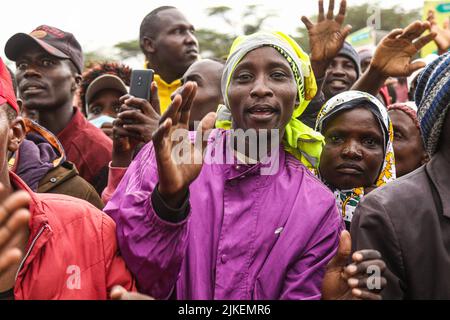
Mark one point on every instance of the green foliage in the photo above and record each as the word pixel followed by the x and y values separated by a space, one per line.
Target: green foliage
pixel 128 49
pixel 93 57
pixel 390 18
pixel 216 43
pixel 213 43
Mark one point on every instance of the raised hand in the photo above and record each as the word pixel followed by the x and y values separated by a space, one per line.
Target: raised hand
pixel 393 55
pixel 327 36
pixel 342 282
pixel 135 124
pixel 14 217
pixel 442 39
pixel 180 161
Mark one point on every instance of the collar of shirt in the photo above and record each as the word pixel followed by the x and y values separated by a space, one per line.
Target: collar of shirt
pixel 165 90
pixel 75 124
pixel 243 166
pixel 438 170
pixel 169 86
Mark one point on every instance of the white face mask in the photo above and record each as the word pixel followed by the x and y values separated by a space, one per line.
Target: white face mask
pixel 98 122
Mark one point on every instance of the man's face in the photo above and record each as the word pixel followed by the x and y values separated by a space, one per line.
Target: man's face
pixel 408 146
pixel 175 46
pixel 353 152
pixel 365 64
pixel 262 92
pixel 44 81
pixel 4 136
pixel 340 76
pixel 207 74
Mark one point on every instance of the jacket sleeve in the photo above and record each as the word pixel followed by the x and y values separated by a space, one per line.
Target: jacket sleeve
pixel 115 269
pixel 304 278
pixel 372 228
pixel 152 247
pixel 93 198
pixel 115 174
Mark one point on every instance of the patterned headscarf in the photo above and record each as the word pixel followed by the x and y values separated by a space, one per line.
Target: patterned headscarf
pixel 299 139
pixel 347 200
pixel 409 108
pixel 433 99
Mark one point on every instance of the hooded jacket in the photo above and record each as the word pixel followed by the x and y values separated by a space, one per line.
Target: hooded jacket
pixel 41 163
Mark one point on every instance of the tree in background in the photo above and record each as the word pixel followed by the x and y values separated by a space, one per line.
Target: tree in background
pixel 92 57
pixel 217 42
pixel 128 49
pixel 213 43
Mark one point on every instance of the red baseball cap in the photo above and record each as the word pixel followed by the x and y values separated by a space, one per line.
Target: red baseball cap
pixel 7 94
pixel 54 41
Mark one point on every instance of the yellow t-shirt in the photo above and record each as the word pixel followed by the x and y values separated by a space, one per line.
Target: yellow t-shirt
pixel 165 90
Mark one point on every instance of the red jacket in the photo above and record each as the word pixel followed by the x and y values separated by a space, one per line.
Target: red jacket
pixel 71 252
pixel 384 92
pixel 89 148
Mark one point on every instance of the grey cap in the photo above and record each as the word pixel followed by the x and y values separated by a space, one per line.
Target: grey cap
pixel 106 81
pixel 350 52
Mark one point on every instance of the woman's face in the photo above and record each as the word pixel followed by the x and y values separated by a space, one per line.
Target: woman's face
pixel 353 154
pixel 408 146
pixel 262 93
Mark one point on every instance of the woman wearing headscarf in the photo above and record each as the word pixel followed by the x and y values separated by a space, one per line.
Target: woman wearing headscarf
pixel 208 229
pixel 300 140
pixel 358 155
pixel 409 149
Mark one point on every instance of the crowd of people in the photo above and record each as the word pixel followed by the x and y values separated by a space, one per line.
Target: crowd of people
pixel 272 174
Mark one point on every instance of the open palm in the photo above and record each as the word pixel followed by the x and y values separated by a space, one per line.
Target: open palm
pixel 327 36
pixel 394 53
pixel 179 160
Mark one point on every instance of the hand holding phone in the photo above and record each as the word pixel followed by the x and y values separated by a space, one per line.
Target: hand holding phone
pixel 141 81
pixel 140 84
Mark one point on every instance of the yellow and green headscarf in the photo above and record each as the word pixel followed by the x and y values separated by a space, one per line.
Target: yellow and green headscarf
pixel 299 139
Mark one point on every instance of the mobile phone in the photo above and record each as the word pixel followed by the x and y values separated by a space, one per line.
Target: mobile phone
pixel 140 84
pixel 141 81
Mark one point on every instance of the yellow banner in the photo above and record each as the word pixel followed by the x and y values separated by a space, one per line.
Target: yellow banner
pixel 441 12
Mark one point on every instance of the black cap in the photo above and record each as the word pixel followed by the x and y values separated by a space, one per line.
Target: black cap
pixel 56 42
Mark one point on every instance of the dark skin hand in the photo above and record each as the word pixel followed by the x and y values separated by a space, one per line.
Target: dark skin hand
pixel 393 57
pixel 442 39
pixel 175 177
pixel 107 129
pixel 341 281
pixel 326 37
pixel 14 218
pixel 350 282
pixel 136 122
